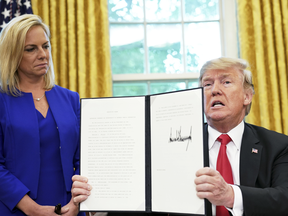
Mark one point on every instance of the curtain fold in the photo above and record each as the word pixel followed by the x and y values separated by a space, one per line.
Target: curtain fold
pixel 263 35
pixel 80 44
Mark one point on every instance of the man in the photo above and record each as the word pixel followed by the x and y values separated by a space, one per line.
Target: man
pixel 258 157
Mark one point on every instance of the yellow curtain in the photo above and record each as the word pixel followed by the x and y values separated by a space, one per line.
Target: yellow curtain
pixel 80 44
pixel 263 34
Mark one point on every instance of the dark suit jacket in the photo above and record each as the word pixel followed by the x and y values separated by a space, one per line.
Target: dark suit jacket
pixel 264 175
pixel 263 172
pixel 20 142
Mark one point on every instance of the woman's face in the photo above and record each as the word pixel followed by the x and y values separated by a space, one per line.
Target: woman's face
pixel 35 61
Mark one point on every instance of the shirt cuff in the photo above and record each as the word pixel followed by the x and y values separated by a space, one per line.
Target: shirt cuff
pixel 238 202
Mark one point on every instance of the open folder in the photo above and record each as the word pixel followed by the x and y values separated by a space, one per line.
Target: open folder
pixel 141 153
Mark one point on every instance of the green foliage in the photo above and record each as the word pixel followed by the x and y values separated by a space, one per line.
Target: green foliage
pixel 128 58
pixel 160 87
pixel 164 58
pixel 129 89
pixel 192 61
pixel 158 55
pixel 201 9
pixel 125 10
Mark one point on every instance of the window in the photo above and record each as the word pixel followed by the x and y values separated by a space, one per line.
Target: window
pixel 160 45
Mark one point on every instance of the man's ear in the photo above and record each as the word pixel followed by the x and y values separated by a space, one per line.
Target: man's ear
pixel 248 95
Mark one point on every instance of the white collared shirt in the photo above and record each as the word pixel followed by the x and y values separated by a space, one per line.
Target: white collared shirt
pixel 233 154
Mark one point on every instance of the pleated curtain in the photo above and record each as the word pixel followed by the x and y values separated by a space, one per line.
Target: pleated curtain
pixel 80 44
pixel 263 37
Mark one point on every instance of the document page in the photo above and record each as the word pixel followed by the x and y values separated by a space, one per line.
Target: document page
pixel 113 153
pixel 176 151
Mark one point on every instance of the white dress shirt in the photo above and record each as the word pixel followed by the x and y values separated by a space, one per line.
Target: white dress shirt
pixel 233 154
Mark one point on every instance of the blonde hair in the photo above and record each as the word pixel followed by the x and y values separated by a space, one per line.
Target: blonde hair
pixel 12 43
pixel 224 63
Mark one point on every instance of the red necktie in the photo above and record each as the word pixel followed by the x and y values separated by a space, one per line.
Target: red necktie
pixel 224 167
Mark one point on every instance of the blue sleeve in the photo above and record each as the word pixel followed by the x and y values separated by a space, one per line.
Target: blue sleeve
pixel 76 160
pixel 12 189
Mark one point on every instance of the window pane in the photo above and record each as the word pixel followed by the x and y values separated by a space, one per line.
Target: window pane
pixel 164 45
pixel 198 10
pixel 125 10
pixel 129 88
pixel 127 48
pixel 163 10
pixel 160 87
pixel 202 41
pixel 193 84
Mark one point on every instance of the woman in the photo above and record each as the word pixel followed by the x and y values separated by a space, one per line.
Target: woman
pixel 39 135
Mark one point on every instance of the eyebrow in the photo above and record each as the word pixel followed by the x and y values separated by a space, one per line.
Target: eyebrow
pixel 222 76
pixel 35 44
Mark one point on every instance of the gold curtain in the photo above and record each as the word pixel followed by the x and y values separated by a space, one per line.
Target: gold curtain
pixel 80 44
pixel 263 34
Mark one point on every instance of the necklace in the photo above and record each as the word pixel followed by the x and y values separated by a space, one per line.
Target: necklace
pixel 38 99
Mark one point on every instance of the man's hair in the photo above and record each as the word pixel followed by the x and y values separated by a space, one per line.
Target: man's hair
pixel 12 43
pixel 224 63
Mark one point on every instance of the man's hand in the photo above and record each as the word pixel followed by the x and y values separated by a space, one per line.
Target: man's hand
pixel 211 185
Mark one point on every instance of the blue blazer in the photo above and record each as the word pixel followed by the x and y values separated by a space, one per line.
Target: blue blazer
pixel 20 142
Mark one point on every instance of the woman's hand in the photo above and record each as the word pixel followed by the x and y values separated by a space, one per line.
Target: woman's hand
pixel 70 209
pixel 80 192
pixel 80 189
pixel 30 207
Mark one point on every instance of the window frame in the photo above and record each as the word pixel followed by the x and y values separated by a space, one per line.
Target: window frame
pixel 229 46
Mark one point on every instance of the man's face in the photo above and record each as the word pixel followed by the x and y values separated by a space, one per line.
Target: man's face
pixel 225 99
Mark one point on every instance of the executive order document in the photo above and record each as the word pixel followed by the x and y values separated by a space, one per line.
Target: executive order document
pixel 141 153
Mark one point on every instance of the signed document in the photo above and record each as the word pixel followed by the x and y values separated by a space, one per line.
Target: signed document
pixel 141 153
